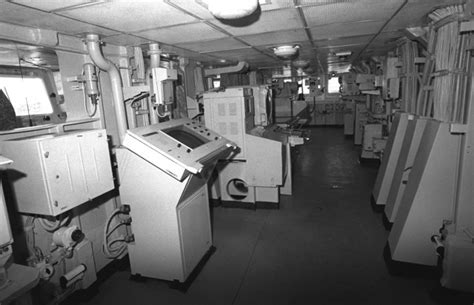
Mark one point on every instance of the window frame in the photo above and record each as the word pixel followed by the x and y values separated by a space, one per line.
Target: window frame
pixel 47 77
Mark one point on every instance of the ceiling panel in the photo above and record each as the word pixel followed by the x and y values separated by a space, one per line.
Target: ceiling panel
pixel 267 60
pixel 413 14
pixel 341 42
pixel 240 54
pixel 52 5
pixel 266 5
pixel 346 29
pixel 213 45
pixel 377 51
pixel 183 33
pixel 269 21
pixel 130 16
pixel 12 13
pixel 193 7
pixel 335 25
pixel 173 50
pixel 125 40
pixel 307 53
pixel 321 2
pixel 387 38
pixel 275 38
pixel 350 12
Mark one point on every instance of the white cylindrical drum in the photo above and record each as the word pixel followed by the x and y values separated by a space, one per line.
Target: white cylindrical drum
pixel 72 276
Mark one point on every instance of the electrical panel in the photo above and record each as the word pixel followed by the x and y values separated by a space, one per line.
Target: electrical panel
pixel 57 172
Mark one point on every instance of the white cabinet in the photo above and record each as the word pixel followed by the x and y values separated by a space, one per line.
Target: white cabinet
pixel 56 172
pixel 230 113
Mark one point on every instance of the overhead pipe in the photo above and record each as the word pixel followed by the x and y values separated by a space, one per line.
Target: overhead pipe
pixel 242 65
pixel 155 53
pixel 95 53
pixel 151 107
pixel 153 118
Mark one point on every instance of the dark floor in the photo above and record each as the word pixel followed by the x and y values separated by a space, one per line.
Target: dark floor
pixel 323 246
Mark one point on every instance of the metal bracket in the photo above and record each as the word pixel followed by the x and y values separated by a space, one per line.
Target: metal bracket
pixel 458 128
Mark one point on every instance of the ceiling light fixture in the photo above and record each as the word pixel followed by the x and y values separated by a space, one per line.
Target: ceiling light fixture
pixel 286 52
pixel 343 53
pixel 230 9
pixel 300 63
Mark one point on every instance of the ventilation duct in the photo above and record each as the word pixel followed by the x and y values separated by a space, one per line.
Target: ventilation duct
pixel 240 67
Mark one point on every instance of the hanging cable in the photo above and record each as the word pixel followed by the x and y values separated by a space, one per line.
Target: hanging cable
pixel 137 97
pixel 108 249
pixel 30 237
pixel 53 225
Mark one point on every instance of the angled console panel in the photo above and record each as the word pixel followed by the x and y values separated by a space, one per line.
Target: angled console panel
pixel 404 166
pixel 390 158
pixel 178 147
pixel 428 198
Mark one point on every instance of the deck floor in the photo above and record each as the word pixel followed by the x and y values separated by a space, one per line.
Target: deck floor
pixel 323 246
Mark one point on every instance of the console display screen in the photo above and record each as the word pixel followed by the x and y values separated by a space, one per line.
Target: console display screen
pixel 185 136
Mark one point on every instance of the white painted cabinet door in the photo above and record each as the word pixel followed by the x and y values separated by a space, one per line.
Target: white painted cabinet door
pixel 64 173
pixel 97 165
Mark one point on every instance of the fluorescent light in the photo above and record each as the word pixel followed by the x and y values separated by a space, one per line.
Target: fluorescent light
pixel 343 53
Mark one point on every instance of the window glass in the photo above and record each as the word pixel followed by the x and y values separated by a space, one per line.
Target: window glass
pixel 216 83
pixel 304 83
pixel 28 95
pixel 333 85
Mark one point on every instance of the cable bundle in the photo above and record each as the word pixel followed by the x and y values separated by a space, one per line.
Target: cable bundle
pixel 442 13
pixel 407 51
pixel 451 65
pixel 116 247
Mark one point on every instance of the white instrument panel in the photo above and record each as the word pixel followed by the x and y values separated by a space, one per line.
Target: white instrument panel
pixel 178 147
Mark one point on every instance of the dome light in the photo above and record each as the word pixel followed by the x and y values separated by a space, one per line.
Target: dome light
pixel 231 9
pixel 286 52
pixel 300 63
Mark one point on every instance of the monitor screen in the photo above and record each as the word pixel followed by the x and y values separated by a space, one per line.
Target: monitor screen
pixel 186 136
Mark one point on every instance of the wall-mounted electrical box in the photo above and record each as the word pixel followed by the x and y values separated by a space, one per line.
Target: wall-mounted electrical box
pixel 54 173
